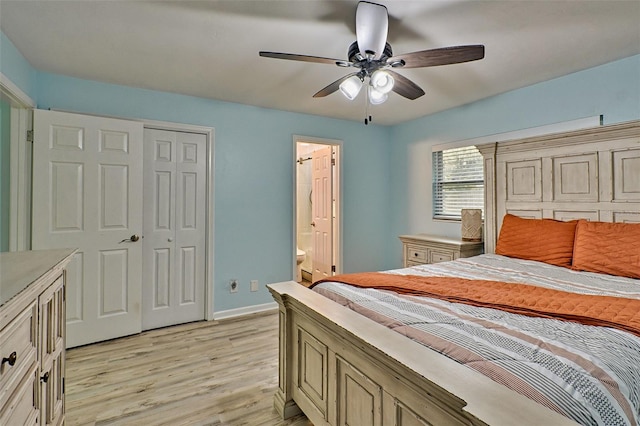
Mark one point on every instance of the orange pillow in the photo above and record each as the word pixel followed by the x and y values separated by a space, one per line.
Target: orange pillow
pixel 543 240
pixel 609 248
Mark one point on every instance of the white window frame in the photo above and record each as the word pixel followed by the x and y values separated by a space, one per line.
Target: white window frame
pixel 474 182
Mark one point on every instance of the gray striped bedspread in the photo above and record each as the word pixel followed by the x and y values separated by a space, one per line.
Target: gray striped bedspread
pixel 590 374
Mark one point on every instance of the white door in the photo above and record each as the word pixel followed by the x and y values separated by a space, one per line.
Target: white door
pixel 174 228
pixel 87 194
pixel 322 212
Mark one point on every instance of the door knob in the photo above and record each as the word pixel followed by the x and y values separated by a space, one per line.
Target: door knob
pixel 131 239
pixel 169 239
pixel 313 224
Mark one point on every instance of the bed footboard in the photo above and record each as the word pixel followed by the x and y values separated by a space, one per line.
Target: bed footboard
pixel 341 368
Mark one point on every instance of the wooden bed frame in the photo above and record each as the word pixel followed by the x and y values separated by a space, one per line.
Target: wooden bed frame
pixel 341 368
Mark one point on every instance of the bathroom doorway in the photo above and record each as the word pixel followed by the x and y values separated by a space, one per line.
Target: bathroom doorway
pixel 317 209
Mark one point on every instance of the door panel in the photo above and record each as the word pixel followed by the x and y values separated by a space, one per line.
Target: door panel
pixel 67 211
pixel 114 196
pixel 174 227
pixel 322 212
pixel 113 282
pixel 87 194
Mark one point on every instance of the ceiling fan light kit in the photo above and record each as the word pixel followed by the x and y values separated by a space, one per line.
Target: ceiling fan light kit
pixel 381 81
pixel 351 87
pixel 376 97
pixel 373 56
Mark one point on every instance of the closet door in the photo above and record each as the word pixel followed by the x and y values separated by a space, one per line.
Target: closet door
pixel 174 228
pixel 87 194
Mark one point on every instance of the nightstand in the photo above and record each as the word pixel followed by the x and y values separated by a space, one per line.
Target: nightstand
pixel 422 249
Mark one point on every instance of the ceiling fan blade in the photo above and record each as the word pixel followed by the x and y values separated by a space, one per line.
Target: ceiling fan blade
pixel 332 87
pixel 405 87
pixel 305 58
pixel 441 56
pixel 372 26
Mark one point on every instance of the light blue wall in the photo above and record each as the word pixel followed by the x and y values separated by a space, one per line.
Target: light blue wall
pixel 387 170
pixel 254 160
pixel 16 68
pixel 5 142
pixel 612 89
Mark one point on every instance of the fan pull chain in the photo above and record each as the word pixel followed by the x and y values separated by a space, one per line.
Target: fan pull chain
pixel 366 109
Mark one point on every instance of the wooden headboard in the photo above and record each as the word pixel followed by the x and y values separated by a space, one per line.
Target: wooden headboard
pixel 592 174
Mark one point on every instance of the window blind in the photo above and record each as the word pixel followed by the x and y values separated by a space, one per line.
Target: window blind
pixel 458 181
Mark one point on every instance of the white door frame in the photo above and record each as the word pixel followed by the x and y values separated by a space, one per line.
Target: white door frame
pixel 20 164
pixel 338 220
pixel 209 245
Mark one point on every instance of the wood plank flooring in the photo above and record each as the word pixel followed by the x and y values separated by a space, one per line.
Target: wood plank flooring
pixel 205 373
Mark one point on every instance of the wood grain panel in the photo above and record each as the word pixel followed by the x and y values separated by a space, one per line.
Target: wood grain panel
pixel 527 214
pixel 626 175
pixel 359 399
pixel 627 217
pixel 589 174
pixel 312 369
pixel 575 177
pixel 524 180
pixel 567 215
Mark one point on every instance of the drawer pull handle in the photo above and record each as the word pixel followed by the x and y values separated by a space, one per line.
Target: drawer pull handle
pixel 11 360
pixel 415 254
pixel 45 378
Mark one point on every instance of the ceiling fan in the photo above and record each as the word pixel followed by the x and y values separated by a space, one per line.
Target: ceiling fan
pixel 373 58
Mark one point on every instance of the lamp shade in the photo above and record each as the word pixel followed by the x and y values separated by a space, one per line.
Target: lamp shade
pixel 382 81
pixel 376 97
pixel 471 224
pixel 351 87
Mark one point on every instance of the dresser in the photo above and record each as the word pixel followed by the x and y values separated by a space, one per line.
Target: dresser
pixel 421 249
pixel 32 332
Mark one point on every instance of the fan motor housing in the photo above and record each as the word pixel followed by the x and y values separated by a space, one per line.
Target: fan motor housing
pixel 355 56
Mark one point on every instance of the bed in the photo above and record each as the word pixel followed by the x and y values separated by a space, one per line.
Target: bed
pixel 359 355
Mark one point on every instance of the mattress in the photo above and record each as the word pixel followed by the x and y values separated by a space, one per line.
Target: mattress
pixel 588 373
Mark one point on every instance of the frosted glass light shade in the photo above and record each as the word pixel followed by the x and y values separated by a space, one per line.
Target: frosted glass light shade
pixel 351 87
pixel 382 81
pixel 376 97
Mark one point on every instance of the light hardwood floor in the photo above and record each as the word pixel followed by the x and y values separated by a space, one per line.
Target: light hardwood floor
pixel 205 373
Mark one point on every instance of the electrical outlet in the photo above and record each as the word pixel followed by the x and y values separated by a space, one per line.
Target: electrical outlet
pixel 233 285
pixel 254 285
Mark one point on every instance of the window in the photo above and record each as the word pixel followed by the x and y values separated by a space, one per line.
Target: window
pixel 458 182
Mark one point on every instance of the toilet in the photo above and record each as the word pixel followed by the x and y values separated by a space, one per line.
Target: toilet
pixel 300 255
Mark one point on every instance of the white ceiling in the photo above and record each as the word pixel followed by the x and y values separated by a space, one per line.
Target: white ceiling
pixel 210 48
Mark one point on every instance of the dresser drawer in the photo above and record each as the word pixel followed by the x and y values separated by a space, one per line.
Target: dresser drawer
pixel 18 339
pixel 22 407
pixel 416 254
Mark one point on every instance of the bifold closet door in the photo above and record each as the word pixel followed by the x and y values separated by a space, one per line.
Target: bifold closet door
pixel 174 228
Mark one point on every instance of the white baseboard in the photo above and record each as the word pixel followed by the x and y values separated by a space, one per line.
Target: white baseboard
pixel 237 312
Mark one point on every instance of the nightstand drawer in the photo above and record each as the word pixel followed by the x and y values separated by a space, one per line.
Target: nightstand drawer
pixel 440 256
pixel 424 249
pixel 417 254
